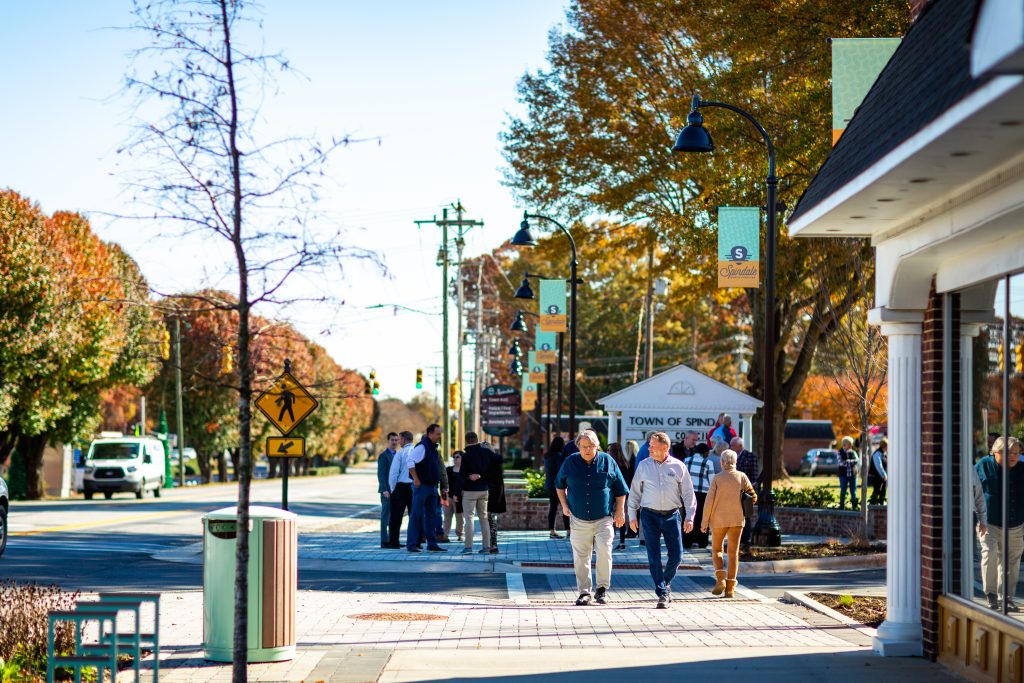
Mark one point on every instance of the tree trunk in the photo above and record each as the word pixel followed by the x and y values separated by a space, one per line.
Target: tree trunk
pixel 222 466
pixel 30 450
pixel 205 471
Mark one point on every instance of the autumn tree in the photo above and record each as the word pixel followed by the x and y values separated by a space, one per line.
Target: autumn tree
pixel 599 123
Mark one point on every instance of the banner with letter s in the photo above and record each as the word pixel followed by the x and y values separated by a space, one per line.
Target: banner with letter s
pixel 739 246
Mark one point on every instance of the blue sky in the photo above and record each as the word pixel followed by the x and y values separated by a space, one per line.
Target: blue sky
pixel 434 80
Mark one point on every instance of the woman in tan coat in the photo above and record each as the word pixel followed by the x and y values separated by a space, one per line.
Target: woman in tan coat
pixel 723 512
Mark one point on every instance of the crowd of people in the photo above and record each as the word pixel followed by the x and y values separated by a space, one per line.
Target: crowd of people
pixel 414 480
pixel 991 516
pixel 680 495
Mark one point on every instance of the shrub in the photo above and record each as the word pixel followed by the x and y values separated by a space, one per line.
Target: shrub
pixel 815 497
pixel 535 483
pixel 23 609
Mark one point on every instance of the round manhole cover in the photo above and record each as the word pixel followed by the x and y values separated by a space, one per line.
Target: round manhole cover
pixel 398 616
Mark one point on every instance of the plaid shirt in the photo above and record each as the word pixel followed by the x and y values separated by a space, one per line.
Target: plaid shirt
pixel 702 471
pixel 747 463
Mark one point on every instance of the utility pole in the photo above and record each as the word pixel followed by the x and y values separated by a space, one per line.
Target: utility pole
pixel 479 340
pixel 648 309
pixel 461 227
pixel 180 412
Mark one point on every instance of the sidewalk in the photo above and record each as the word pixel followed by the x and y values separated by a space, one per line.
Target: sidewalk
pixel 536 633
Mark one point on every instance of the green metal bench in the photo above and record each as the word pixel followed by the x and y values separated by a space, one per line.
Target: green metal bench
pixel 133 602
pixel 101 655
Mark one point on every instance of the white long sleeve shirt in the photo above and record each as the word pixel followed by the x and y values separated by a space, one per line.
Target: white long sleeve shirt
pixel 662 486
pixel 400 467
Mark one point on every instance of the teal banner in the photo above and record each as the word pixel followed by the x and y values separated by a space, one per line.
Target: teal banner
pixel 739 246
pixel 537 369
pixel 856 63
pixel 546 344
pixel 552 306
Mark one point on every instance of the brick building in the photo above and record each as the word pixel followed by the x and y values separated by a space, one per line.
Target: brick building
pixel 931 169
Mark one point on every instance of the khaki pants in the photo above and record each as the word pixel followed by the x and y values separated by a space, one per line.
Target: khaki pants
pixel 449 513
pixel 718 535
pixel 587 536
pixel 992 559
pixel 475 500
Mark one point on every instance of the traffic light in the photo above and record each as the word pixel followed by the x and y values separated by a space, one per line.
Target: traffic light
pixel 368 389
pixel 1001 366
pixel 419 378
pixel 376 387
pixel 1018 358
pixel 454 399
pixel 227 360
pixel 165 344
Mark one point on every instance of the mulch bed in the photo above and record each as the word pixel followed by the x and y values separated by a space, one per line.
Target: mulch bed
pixel 808 551
pixel 869 611
pixel 397 616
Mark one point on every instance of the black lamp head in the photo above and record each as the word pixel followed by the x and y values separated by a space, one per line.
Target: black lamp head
pixel 694 137
pixel 524 291
pixel 519 324
pixel 514 350
pixel 524 236
pixel 516 367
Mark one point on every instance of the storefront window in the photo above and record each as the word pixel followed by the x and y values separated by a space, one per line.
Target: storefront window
pixel 992 430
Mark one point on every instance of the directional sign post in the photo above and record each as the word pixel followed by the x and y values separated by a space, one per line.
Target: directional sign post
pixel 286 405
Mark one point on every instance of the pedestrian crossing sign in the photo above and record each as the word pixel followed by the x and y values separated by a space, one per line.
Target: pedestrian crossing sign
pixel 287 403
pixel 286 447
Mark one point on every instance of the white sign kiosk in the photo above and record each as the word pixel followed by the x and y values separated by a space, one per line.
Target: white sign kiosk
pixel 675 401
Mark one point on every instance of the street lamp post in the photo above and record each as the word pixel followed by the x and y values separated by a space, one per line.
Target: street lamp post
pixel 695 138
pixel 524 237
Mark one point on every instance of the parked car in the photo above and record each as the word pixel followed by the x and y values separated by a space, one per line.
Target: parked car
pixel 4 503
pixel 820 461
pixel 128 463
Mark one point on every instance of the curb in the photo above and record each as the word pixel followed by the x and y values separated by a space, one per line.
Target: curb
pixel 801 598
pixel 813 564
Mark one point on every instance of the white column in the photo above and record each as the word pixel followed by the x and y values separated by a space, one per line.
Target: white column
pixel 613 426
pixel 900 634
pixel 966 454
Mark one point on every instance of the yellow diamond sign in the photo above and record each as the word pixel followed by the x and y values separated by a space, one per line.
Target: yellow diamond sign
pixel 287 403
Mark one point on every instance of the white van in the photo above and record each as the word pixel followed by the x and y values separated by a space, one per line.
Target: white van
pixel 124 463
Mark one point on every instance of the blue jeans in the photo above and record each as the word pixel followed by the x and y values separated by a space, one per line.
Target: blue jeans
pixel 385 518
pixel 844 483
pixel 656 525
pixel 423 518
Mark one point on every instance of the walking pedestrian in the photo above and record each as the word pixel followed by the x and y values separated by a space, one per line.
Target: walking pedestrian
pixel 454 507
pixel 384 461
pixel 993 554
pixel 401 489
pixel 475 462
pixel 749 464
pixel 848 460
pixel 723 513
pixel 715 456
pixel 552 463
pixel 878 475
pixel 615 451
pixel 495 493
pixel 702 472
pixel 593 495
pixel 724 432
pixel 661 486
pixel 424 470
pixel 439 531
pixel 690 440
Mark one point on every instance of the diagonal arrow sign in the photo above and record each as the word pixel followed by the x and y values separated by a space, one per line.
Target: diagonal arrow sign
pixel 285 447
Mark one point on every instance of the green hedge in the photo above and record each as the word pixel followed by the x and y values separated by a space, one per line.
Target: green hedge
pixel 815 497
pixel 534 483
pixel 328 471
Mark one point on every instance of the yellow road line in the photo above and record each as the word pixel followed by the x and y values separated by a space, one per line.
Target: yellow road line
pixel 101 522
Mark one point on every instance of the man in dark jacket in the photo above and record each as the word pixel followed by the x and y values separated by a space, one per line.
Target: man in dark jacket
pixel 425 470
pixel 383 470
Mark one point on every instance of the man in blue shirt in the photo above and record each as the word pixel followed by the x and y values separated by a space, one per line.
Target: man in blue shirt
pixel 592 491
pixel 425 472
pixel 383 472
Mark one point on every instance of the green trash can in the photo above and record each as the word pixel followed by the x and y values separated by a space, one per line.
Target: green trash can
pixel 273 578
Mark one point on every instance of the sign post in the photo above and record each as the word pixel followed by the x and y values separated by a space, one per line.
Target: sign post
pixel 286 404
pixel 500 410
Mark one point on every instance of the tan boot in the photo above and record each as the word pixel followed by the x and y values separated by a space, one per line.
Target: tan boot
pixel 730 588
pixel 720 584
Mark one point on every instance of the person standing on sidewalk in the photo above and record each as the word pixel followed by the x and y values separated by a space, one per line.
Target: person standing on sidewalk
pixel 454 507
pixel 615 450
pixel 495 493
pixel 661 486
pixel 702 472
pixel 384 461
pixel 723 512
pixel 401 489
pixel 749 464
pixel 848 460
pixel 424 470
pixel 877 472
pixel 593 495
pixel 552 463
pixel 993 554
pixel 475 462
